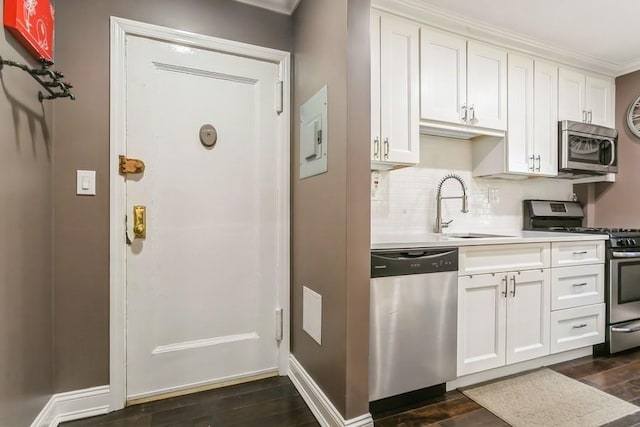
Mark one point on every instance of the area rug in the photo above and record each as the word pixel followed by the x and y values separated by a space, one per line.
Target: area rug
pixel 547 398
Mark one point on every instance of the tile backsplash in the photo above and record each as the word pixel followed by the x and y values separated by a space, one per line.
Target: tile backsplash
pixel 403 201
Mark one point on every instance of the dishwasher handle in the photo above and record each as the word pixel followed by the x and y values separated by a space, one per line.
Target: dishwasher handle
pixel 414 255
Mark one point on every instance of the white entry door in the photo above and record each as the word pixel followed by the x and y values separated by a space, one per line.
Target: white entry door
pixel 201 287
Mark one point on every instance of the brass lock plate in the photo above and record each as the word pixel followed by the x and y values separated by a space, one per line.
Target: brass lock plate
pixel 128 166
pixel 139 222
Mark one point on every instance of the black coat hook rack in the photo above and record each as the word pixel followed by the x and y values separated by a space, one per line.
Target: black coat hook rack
pixel 49 79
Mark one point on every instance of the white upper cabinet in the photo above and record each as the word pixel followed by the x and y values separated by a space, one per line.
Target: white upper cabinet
pixel 395 92
pixel 532 144
pixel 530 147
pixel 586 98
pixel 443 79
pixel 462 82
pixel 545 117
pixel 486 86
pixel 520 136
pixel 600 93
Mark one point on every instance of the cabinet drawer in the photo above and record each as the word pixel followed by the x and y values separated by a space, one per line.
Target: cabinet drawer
pixel 577 253
pixel 577 286
pixel 577 327
pixel 497 258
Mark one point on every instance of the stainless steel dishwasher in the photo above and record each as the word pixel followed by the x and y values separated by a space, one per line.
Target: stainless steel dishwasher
pixel 413 320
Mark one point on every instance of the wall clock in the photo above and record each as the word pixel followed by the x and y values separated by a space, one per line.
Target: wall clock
pixel 633 117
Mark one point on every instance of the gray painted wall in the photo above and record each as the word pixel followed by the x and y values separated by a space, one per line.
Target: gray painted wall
pixel 26 369
pixel 330 212
pixel 81 132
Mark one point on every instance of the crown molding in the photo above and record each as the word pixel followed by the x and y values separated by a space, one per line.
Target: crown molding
pixel 421 12
pixel 629 68
pixel 286 7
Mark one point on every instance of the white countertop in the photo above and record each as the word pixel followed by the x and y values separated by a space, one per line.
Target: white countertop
pixel 520 236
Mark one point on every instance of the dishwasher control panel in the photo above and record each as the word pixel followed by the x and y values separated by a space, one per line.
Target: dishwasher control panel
pixel 402 262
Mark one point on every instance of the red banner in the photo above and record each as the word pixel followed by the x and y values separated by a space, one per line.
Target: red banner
pixel 31 22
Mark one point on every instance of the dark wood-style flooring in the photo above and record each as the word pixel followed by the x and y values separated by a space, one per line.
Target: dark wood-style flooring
pixel 275 402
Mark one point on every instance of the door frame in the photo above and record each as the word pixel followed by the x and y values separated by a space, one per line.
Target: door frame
pixel 120 29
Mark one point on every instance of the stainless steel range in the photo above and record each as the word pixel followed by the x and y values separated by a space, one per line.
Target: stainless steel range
pixel 622 267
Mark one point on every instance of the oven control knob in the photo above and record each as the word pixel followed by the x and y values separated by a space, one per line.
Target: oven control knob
pixel 632 242
pixel 622 242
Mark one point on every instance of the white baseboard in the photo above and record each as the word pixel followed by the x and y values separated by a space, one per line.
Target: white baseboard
pixel 73 405
pixel 320 405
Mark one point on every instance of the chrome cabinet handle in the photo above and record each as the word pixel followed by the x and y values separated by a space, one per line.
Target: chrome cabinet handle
pixel 580 284
pixel 473 114
pixel 581 325
pixel 590 115
pixel 580 253
pixel 584 116
pixel 504 282
pixel 376 148
pixel 538 159
pixel 513 291
pixel 464 113
pixel 386 148
pixel 533 163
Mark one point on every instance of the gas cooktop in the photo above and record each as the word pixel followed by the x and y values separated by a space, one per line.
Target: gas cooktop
pixel 626 232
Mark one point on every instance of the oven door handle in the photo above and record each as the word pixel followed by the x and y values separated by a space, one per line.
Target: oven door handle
pixel 626 330
pixel 625 254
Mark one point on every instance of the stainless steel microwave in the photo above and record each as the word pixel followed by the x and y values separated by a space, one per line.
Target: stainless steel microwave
pixel 586 149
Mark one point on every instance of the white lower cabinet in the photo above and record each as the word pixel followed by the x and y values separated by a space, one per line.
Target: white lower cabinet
pixel 503 318
pixel 576 286
pixel 577 327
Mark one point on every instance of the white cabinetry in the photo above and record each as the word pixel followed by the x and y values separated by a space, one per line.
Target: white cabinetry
pixel 532 139
pixel 577 294
pixel 586 98
pixel 503 316
pixel 462 82
pixel 530 147
pixel 394 92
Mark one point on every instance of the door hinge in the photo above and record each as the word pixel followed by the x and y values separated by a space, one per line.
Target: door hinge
pixel 279 321
pixel 128 166
pixel 279 97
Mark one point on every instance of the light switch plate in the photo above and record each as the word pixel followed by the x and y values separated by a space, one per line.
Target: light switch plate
pixel 312 314
pixel 85 183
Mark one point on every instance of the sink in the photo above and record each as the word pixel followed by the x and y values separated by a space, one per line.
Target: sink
pixel 473 235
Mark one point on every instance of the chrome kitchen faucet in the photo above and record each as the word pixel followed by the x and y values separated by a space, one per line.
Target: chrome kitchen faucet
pixel 465 202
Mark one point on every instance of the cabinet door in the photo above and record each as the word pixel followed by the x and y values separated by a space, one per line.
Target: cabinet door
pixel 520 151
pixel 375 86
pixel 487 85
pixel 599 101
pixel 545 117
pixel 443 76
pixel 528 314
pixel 399 91
pixel 481 322
pixel 571 95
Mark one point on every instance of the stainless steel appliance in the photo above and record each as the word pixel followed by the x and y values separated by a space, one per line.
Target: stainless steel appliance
pixel 622 267
pixel 413 320
pixel 586 149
